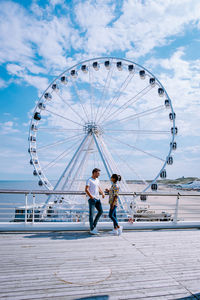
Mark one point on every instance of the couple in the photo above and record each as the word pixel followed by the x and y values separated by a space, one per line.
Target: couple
pixel 93 190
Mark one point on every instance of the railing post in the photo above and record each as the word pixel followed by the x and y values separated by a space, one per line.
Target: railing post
pixel 26 200
pixel 33 214
pixel 83 218
pixel 176 209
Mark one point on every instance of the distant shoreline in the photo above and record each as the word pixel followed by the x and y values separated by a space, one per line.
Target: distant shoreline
pixel 181 180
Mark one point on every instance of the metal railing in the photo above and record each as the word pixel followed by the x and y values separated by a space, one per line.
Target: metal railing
pixel 175 207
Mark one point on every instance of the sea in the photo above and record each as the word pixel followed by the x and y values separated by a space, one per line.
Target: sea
pixel 8 202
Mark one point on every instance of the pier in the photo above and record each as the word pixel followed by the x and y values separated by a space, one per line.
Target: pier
pixel 148 264
pixel 59 259
pixel 100 148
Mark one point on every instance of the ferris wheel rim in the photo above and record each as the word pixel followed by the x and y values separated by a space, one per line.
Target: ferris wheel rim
pixel 98 59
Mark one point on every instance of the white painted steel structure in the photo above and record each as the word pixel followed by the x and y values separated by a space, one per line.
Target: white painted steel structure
pixel 31 221
pixel 103 112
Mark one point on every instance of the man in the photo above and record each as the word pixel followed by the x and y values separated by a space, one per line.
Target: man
pixel 93 190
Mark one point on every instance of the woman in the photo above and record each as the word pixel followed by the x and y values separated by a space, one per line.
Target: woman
pixel 113 201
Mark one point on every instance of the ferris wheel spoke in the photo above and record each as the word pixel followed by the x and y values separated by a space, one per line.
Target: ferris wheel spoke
pixel 129 102
pixel 91 92
pixel 80 100
pixel 135 116
pixel 58 129
pixel 106 87
pixel 62 141
pixel 67 119
pixel 60 156
pixel 109 105
pixel 141 131
pixel 115 99
pixel 109 112
pixel 129 166
pixel 70 106
pixel 138 149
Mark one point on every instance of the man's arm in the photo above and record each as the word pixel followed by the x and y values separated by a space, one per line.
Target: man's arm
pixel 88 192
pixel 101 192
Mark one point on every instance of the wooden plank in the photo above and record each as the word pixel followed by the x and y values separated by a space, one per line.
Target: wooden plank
pixel 144 265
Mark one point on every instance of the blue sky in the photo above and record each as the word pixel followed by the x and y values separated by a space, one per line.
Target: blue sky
pixel 40 39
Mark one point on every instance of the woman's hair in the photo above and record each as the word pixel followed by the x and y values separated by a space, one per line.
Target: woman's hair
pixel 116 177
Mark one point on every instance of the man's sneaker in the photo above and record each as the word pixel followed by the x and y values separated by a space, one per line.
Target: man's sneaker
pixel 120 230
pixel 114 231
pixel 94 231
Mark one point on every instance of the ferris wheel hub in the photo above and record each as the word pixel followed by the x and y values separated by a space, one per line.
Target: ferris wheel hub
pixel 92 127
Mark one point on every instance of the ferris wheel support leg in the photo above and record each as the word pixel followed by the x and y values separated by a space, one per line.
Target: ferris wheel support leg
pixel 101 155
pixel 81 165
pixel 63 174
pixel 80 171
pixel 108 160
pixel 109 157
pixel 73 166
pixel 106 163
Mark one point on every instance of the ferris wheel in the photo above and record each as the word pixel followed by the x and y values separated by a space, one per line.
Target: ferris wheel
pixel 108 113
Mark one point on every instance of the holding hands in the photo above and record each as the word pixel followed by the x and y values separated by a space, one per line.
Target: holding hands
pixel 106 191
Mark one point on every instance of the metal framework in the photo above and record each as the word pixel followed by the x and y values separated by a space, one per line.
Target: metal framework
pixel 94 115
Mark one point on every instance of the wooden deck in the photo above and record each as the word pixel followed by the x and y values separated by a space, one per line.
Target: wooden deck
pixel 157 264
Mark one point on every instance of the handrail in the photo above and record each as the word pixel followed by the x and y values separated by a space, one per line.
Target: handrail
pixel 47 192
pixel 165 214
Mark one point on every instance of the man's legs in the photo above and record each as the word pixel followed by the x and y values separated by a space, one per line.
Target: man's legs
pixel 100 211
pixel 91 212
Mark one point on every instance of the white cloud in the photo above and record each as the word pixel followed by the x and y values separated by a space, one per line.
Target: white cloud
pixel 41 42
pixel 8 127
pixel 39 82
pixel 13 42
pixel 152 23
pixel 25 38
pixel 15 69
pixel 138 28
pixel 93 14
pixel 9 124
pixel 182 81
pixel 3 83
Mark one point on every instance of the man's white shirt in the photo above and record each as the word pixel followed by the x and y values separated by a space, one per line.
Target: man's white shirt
pixel 94 185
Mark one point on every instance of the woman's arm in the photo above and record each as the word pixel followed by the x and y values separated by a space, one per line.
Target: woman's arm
pixel 114 202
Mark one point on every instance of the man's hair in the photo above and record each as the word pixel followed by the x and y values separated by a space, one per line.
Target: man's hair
pixel 95 170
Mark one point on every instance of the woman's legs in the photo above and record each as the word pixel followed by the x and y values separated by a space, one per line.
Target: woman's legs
pixel 113 216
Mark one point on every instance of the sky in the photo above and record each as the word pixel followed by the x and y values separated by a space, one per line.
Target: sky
pixel 41 39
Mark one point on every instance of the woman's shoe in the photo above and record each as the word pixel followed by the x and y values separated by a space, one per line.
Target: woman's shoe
pixel 114 231
pixel 94 231
pixel 120 230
